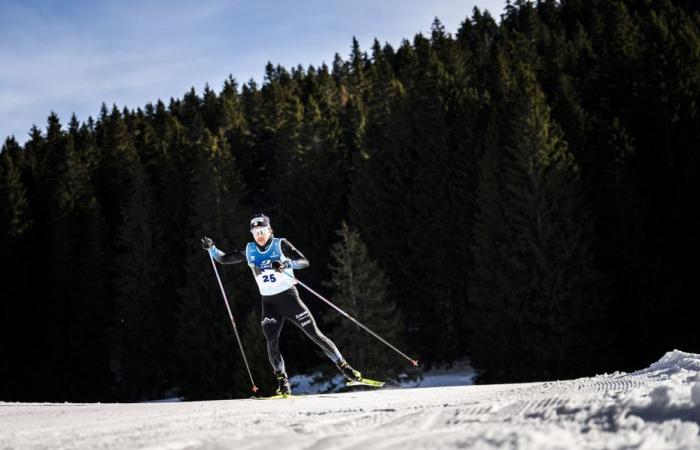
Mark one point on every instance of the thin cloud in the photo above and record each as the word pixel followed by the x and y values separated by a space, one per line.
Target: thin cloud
pixel 72 57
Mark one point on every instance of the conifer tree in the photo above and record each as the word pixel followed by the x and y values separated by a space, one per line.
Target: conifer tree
pixel 144 329
pixel 536 310
pixel 234 121
pixel 205 342
pixel 14 205
pixel 622 215
pixel 117 159
pixel 360 288
pixel 189 112
pixel 254 153
pixel 74 303
pixel 430 276
pixel 25 350
pixel 310 181
pixel 381 193
pixel 15 237
pixel 380 172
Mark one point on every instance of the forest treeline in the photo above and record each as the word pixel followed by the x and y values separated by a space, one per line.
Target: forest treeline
pixel 523 193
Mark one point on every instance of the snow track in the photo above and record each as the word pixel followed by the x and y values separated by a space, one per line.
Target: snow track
pixel 655 408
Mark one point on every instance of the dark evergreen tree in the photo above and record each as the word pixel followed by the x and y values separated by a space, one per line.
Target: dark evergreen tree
pixel 74 307
pixel 622 215
pixel 15 278
pixel 310 184
pixel 15 220
pixel 205 342
pixel 254 149
pixel 117 159
pixel 360 288
pixel 536 303
pixel 144 330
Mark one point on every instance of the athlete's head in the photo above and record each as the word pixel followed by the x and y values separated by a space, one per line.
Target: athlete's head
pixel 260 228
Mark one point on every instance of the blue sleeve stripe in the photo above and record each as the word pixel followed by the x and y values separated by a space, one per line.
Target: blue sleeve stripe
pixel 216 253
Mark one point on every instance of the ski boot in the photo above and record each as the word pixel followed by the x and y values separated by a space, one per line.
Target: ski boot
pixel 284 388
pixel 348 372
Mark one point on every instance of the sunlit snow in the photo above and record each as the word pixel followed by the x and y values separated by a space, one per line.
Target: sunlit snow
pixel 654 408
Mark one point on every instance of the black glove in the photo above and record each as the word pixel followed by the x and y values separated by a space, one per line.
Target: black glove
pixel 279 266
pixel 207 243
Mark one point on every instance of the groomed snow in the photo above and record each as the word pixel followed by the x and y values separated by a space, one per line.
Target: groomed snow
pixel 654 408
pixel 460 373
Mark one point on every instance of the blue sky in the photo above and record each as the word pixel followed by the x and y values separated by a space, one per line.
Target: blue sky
pixel 70 56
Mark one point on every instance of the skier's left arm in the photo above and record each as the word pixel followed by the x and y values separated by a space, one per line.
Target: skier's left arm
pixel 296 259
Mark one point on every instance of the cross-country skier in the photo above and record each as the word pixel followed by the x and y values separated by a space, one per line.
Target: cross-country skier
pixel 273 261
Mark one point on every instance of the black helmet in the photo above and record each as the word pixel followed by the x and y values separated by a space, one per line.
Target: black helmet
pixel 259 220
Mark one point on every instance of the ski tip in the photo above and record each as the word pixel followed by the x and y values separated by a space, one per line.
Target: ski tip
pixel 275 397
pixel 365 382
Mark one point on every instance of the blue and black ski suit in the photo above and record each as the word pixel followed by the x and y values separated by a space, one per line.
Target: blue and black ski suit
pixel 280 298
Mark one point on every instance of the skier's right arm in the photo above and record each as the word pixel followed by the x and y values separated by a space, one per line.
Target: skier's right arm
pixel 234 257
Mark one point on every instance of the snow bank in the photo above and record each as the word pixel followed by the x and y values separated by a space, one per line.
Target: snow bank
pixel 661 408
pixel 677 397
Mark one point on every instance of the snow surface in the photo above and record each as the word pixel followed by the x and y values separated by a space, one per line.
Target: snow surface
pixel 654 408
pixel 460 373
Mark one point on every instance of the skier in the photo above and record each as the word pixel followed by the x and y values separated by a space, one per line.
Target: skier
pixel 273 261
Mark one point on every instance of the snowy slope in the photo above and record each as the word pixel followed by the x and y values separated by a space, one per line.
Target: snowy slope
pixel 655 408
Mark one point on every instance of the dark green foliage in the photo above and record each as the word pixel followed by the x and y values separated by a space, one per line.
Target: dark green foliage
pixel 310 177
pixel 360 289
pixel 14 218
pixel 64 351
pixel 529 189
pixel 537 302
pixel 15 230
pixel 205 341
pixel 144 325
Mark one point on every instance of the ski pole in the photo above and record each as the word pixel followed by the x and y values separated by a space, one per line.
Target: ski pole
pixel 233 322
pixel 355 321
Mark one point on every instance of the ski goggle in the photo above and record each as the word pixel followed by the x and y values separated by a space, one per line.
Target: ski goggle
pixel 260 231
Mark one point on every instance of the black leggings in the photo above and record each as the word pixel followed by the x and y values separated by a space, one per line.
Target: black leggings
pixel 287 305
